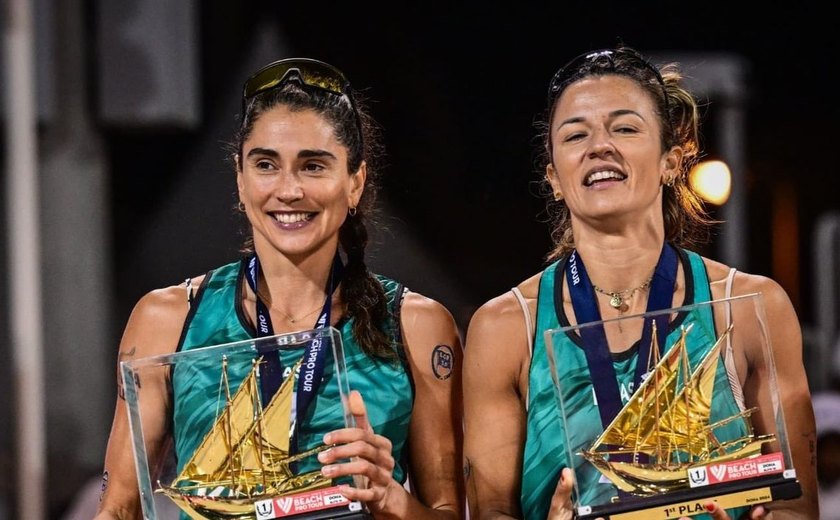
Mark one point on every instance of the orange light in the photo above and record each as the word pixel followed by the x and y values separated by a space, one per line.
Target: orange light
pixel 712 180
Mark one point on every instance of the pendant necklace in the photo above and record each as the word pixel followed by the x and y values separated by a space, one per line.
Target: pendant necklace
pixel 618 299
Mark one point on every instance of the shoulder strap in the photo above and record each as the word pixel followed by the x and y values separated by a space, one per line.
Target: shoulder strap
pixel 193 301
pixel 729 279
pixel 729 355
pixel 188 283
pixel 396 307
pixel 529 324
pixel 529 333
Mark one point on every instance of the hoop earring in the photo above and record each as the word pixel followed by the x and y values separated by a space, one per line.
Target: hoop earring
pixel 351 211
pixel 558 196
pixel 240 206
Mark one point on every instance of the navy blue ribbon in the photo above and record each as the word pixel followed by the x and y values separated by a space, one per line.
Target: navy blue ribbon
pixel 596 348
pixel 314 358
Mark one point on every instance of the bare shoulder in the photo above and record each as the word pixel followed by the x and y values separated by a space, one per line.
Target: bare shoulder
pixel 157 319
pixel 422 310
pixel 744 283
pixel 427 324
pixel 531 286
pixel 497 314
pixel 497 343
pixel 419 306
pixel 166 303
pixel 503 313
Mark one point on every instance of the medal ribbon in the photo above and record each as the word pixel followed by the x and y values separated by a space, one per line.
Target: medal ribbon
pixel 596 348
pixel 314 358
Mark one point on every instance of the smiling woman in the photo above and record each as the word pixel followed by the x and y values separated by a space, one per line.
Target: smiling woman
pixel 294 185
pixel 304 157
pixel 619 139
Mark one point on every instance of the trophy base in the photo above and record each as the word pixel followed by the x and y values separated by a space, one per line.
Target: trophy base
pixel 339 513
pixel 690 502
pixel 320 504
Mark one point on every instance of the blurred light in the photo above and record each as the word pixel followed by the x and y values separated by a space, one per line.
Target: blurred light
pixel 711 180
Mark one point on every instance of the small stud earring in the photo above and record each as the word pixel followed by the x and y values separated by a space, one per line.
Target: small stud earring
pixel 558 196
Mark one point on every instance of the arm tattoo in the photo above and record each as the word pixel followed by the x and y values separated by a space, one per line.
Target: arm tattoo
pixel 442 361
pixel 104 485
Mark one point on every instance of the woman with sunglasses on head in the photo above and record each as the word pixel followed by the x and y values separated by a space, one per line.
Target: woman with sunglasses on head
pixel 304 158
pixel 619 139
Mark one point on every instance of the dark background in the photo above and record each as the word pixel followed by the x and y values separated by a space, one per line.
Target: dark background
pixel 457 89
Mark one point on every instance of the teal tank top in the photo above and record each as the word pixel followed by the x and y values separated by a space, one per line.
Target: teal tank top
pixel 216 317
pixel 545 451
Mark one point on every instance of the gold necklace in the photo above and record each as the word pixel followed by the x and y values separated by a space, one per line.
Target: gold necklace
pixel 292 319
pixel 618 298
pixel 289 317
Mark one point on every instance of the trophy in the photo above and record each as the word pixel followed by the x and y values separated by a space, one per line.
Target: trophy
pixel 685 432
pixel 210 441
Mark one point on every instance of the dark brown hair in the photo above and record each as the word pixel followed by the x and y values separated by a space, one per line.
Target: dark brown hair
pixel 360 290
pixel 686 220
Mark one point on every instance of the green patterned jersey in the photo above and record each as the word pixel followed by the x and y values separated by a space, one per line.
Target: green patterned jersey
pixel 546 452
pixel 216 317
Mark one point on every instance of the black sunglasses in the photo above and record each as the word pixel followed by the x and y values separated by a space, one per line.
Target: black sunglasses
pixel 617 60
pixel 311 73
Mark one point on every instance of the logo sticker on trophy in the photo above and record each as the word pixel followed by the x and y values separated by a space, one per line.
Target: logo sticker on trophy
pixel 230 448
pixel 687 430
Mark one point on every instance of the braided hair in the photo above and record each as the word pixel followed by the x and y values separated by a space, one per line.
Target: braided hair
pixel 360 290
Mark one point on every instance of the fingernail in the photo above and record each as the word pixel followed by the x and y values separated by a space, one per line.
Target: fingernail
pixel 759 510
pixel 327 470
pixel 323 456
pixel 328 438
pixel 710 507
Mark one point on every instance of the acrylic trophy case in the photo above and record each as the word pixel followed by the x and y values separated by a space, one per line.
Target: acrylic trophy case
pixel 689 431
pixel 209 443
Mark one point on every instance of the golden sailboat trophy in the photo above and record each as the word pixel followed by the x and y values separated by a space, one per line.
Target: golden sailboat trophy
pixel 687 431
pixel 210 442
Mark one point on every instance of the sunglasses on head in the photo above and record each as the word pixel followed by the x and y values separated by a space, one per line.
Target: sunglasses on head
pixel 311 73
pixel 606 60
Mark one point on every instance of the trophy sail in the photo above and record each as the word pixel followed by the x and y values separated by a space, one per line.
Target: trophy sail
pixel 245 457
pixel 208 444
pixel 682 436
pixel 670 428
